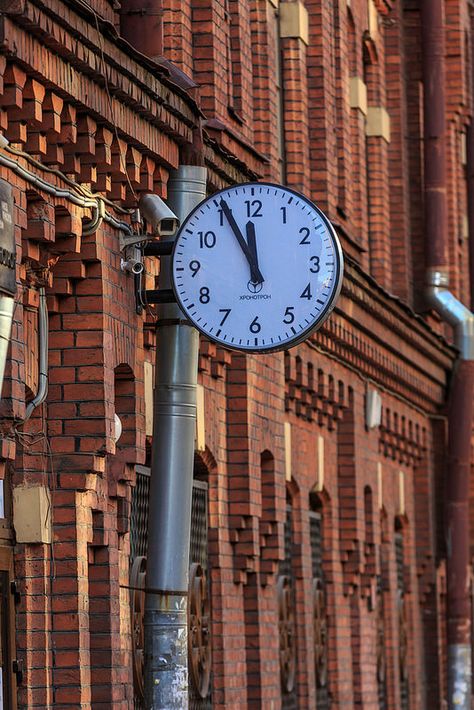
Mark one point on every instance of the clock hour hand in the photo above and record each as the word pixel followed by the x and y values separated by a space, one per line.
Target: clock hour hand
pixel 252 244
pixel 255 276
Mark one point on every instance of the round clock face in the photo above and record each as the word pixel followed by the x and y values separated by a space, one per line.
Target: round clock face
pixel 257 267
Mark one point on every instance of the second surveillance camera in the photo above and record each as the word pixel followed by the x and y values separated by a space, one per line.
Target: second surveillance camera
pixel 157 213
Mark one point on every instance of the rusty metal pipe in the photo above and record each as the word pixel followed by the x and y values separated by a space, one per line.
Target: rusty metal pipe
pixel 141 24
pixel 470 174
pixel 434 122
pixel 461 399
pixel 461 412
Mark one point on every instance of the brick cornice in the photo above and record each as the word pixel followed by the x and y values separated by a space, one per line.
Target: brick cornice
pixel 380 337
pixel 43 17
pixel 145 105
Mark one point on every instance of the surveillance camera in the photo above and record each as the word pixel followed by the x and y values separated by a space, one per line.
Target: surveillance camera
pixel 159 215
pixel 132 266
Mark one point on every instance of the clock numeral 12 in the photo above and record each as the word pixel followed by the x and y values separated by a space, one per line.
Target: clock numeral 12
pixel 257 205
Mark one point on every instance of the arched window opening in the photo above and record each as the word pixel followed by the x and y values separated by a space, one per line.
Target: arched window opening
pixel 287 616
pixel 319 591
pixel 199 607
pixel 403 632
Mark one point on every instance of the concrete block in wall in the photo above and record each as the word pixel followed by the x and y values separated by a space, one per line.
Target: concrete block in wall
pixel 401 493
pixel 380 484
pixel 32 514
pixel 373 18
pixel 358 94
pixel 378 123
pixel 294 21
pixel 320 471
pixel 288 470
pixel 200 442
pixel 149 388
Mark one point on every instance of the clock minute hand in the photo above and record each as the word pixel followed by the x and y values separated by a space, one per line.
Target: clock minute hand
pixel 256 276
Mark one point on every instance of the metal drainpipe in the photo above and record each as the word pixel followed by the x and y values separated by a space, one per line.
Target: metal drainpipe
pixel 141 24
pixel 169 513
pixel 461 401
pixel 470 171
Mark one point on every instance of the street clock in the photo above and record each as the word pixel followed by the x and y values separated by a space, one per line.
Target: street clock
pixel 257 267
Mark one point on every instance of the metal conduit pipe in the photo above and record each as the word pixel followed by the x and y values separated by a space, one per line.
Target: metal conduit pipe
pixel 43 339
pixel 53 171
pixel 169 515
pixel 7 305
pixel 85 202
pixel 461 398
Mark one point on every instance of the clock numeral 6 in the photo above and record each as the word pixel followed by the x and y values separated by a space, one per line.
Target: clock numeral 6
pixel 204 296
pixel 207 239
pixel 194 265
pixel 315 268
pixel 255 326
pixel 289 315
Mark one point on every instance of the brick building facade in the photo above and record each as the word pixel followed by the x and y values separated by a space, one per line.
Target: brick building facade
pixel 321 532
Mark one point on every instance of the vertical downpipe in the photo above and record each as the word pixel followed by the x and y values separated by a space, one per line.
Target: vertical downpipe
pixel 470 162
pixel 174 425
pixel 461 399
pixel 141 24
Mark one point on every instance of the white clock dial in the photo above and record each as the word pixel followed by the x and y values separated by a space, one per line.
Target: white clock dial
pixel 257 267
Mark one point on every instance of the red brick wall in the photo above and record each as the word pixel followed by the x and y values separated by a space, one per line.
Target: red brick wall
pixel 72 623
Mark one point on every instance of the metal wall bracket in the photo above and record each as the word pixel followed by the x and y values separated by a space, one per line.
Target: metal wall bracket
pixel 164 295
pixel 130 240
pixel 159 248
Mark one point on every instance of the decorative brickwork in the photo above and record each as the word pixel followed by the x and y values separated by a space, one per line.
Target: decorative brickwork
pixel 339 601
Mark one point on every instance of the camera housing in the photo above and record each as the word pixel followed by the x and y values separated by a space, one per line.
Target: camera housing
pixel 162 219
pixel 157 213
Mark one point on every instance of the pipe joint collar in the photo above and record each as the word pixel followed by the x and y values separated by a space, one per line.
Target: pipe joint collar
pixel 457 315
pixel 437 277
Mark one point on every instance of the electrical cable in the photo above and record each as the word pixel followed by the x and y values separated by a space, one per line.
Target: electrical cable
pixel 75 185
pixel 77 199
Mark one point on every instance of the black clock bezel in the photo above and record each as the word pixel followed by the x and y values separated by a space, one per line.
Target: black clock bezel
pixel 326 311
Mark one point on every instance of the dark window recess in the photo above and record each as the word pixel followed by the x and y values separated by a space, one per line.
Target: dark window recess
pixel 320 623
pixel 381 657
pixel 139 514
pixel 287 620
pixel 200 684
pixel 7 664
pixel 402 624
